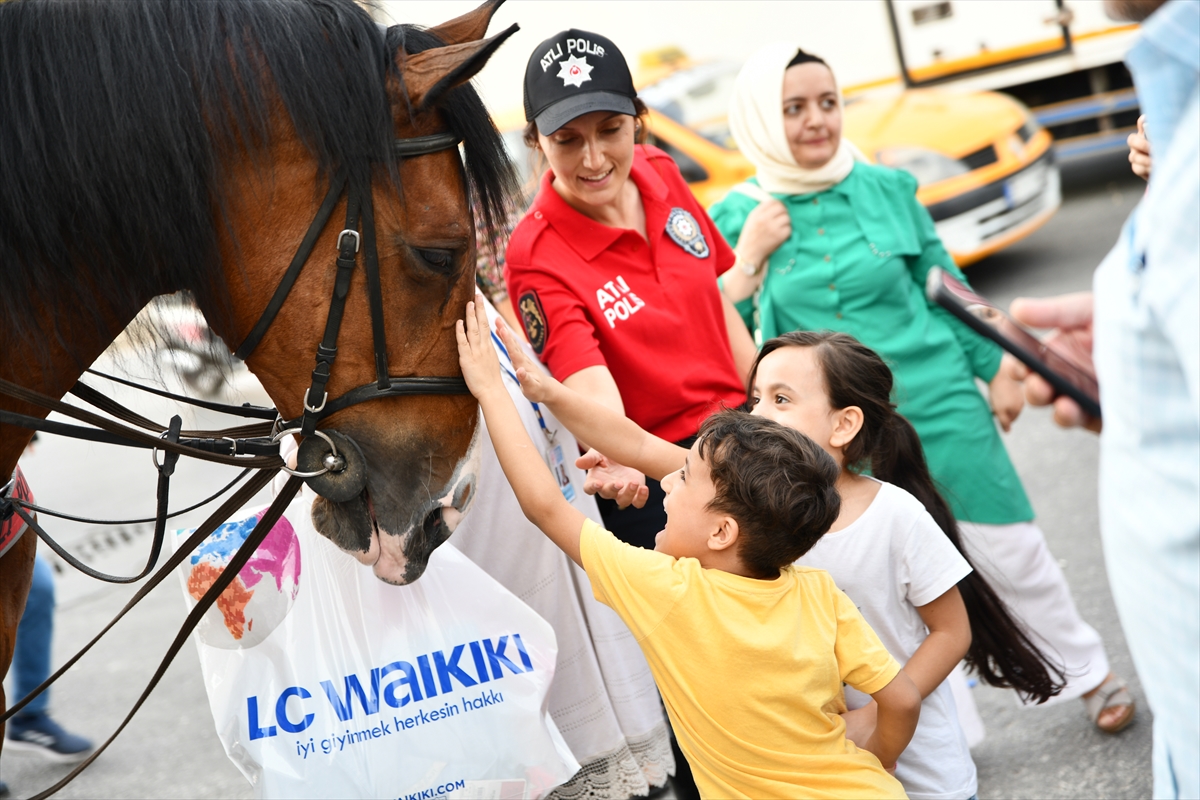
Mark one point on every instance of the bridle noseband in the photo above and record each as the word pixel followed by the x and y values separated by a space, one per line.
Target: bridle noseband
pixel 317 404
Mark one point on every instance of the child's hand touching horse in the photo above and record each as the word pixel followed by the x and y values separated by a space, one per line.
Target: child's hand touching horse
pixel 476 356
pixel 536 385
pixel 536 489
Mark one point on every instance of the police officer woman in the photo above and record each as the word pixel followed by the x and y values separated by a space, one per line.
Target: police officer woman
pixel 613 269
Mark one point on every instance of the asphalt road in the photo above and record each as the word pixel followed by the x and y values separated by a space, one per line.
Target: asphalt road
pixel 170 748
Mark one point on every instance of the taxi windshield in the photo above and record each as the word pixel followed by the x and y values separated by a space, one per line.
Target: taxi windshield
pixel 697 98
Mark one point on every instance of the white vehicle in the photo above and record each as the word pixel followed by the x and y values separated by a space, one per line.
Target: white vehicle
pixel 1061 59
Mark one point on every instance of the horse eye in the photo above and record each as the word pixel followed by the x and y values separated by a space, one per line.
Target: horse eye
pixel 437 260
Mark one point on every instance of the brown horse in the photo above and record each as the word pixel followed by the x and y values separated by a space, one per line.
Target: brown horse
pixel 152 147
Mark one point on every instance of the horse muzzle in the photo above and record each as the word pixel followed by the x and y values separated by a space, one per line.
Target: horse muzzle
pixel 387 518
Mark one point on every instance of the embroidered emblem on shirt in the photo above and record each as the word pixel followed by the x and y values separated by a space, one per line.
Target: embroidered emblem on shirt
pixel 534 320
pixel 682 227
pixel 574 71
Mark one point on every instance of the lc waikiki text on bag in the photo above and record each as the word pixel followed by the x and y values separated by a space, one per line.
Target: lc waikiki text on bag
pixel 326 682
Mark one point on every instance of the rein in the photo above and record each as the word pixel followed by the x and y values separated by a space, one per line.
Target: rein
pixel 254 446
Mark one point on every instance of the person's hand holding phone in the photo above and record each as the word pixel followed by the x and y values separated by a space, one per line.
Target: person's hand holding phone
pixel 1071 317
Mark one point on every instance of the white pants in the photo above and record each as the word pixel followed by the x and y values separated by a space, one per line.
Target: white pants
pixel 1018 564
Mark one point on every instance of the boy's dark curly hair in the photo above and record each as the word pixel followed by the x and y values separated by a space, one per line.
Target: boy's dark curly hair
pixel 776 482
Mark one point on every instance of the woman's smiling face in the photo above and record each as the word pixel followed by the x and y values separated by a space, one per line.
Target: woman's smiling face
pixel 812 114
pixel 591 157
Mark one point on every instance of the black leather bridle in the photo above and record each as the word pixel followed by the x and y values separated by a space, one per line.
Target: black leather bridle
pixel 329 461
pixel 317 404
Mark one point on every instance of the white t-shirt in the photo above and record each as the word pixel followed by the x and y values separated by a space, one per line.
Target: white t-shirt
pixel 889 561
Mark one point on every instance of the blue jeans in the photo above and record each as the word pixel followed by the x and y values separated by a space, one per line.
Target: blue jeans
pixel 31 656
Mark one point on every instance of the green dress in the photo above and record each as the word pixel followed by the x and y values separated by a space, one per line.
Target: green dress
pixel 856 262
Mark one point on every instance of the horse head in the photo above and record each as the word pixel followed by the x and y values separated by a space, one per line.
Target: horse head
pixel 419 453
pixel 198 161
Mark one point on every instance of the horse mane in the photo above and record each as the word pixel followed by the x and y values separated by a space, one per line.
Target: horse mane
pixel 116 119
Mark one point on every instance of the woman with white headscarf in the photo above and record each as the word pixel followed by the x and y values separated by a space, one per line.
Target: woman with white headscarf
pixel 833 243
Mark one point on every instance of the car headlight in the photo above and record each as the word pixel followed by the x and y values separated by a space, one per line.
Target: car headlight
pixel 927 166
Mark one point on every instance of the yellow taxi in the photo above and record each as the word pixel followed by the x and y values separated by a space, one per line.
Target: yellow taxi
pixel 984 165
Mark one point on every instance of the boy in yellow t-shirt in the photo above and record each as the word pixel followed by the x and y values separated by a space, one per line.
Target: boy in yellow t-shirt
pixel 749 652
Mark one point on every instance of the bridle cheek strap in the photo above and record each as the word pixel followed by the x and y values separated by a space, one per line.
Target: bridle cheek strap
pixel 359 213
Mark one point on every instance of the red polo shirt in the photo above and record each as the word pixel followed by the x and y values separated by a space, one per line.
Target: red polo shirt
pixel 590 294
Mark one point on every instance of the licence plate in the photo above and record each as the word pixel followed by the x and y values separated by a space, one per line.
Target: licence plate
pixel 1021 188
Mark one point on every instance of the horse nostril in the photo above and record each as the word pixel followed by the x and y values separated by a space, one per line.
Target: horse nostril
pixel 433 521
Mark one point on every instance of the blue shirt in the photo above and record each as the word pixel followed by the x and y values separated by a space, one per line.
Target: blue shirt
pixel 1147 350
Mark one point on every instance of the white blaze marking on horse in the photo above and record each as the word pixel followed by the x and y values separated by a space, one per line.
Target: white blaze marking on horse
pixel 389 560
pixel 464 482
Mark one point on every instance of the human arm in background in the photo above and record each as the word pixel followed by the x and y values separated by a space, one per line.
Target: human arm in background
pixel 605 476
pixel 989 362
pixel 1139 150
pixel 766 227
pixel 535 488
pixel 593 422
pixel 947 643
pixel 568 345
pixel 1071 317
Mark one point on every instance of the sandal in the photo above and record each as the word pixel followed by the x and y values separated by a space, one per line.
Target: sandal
pixel 1110 694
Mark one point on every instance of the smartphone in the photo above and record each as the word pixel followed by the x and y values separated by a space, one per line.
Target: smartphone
pixel 1069 372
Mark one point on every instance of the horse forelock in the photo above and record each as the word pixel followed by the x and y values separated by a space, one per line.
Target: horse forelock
pixel 118 116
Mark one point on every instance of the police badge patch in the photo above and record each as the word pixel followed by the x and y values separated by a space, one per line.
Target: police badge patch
pixel 683 228
pixel 534 320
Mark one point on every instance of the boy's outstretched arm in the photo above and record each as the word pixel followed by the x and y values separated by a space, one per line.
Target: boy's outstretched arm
pixel 536 489
pixel 613 434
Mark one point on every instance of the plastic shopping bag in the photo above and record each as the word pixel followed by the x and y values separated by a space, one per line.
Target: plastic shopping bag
pixel 326 682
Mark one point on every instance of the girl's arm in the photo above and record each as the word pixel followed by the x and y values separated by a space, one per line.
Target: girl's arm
pixel 948 641
pixel 611 433
pixel 536 489
pixel 898 707
pixel 605 477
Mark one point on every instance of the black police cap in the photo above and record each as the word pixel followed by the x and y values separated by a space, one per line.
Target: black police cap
pixel 574 73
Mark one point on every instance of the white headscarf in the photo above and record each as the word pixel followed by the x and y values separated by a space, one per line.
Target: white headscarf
pixel 756 121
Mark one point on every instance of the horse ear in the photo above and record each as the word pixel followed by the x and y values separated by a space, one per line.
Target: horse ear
pixel 430 74
pixel 470 27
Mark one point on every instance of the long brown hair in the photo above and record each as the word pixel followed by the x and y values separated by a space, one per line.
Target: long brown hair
pixel 1001 652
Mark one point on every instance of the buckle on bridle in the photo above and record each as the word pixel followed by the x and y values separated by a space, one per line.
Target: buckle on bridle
pixel 318 409
pixel 355 234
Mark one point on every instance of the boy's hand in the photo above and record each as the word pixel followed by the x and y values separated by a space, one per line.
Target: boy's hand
pixel 536 385
pixel 476 356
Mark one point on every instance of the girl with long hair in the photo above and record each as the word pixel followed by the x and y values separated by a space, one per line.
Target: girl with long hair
pixel 896 552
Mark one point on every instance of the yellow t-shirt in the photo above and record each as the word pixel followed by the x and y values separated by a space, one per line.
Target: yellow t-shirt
pixel 751 671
